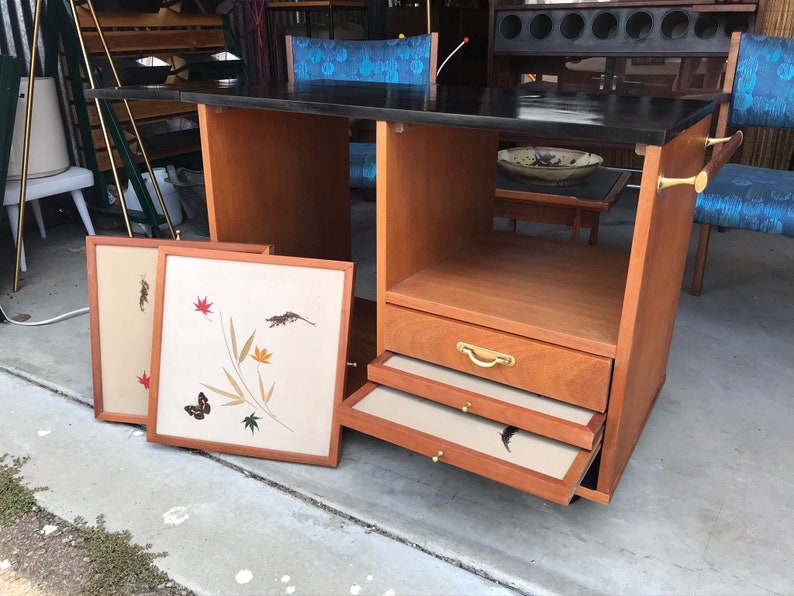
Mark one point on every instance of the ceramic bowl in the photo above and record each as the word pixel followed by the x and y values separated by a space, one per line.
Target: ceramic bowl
pixel 548 165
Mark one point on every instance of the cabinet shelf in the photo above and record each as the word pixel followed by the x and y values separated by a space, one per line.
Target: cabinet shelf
pixel 563 293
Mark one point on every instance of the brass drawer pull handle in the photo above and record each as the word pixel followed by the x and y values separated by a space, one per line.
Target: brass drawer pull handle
pixel 485 357
pixel 437 457
pixel 466 407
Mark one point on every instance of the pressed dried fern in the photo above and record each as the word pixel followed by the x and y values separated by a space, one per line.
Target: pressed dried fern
pixel 287 317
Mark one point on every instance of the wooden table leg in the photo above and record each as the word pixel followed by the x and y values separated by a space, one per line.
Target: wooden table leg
pixel 278 177
pixel 595 218
pixel 576 225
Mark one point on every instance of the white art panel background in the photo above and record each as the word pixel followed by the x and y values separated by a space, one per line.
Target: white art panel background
pixel 125 320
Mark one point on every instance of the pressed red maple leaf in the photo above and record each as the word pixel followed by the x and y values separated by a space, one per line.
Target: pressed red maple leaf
pixel 203 306
pixel 144 380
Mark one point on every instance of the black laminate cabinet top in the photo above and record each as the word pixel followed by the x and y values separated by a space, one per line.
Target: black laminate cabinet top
pixel 522 109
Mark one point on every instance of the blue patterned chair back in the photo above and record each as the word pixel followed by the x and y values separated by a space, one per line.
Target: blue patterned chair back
pixel 763 90
pixel 407 60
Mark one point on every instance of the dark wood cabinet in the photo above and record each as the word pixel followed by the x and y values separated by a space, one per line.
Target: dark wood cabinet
pixel 626 47
pixel 657 48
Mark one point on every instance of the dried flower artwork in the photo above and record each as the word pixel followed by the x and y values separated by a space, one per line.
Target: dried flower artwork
pixel 249 354
pixel 239 391
pixel 123 292
pixel 261 355
pixel 249 422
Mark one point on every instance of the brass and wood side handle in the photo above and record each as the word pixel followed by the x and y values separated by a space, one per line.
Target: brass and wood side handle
pixel 701 180
pixel 485 357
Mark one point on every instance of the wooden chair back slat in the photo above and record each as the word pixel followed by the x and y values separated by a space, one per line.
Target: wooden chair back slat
pixel 165 18
pixel 156 40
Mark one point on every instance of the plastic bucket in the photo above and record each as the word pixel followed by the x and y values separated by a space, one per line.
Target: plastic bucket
pixel 169 192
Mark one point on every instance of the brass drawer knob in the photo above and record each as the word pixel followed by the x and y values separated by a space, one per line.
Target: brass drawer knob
pixel 466 407
pixel 437 457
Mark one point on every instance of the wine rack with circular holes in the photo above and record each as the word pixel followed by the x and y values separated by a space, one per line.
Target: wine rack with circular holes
pixel 616 31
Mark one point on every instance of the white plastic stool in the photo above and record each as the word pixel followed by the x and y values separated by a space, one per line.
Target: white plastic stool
pixel 73 180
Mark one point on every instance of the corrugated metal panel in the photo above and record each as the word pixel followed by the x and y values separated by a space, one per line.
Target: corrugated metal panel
pixel 17 27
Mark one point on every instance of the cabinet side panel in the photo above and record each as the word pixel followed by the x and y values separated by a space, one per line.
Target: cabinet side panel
pixel 278 177
pixel 653 284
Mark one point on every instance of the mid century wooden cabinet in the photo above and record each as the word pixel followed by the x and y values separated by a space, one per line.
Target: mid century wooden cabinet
pixel 525 360
pixel 587 327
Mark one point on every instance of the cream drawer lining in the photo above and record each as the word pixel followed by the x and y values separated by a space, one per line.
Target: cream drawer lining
pixel 492 389
pixel 527 450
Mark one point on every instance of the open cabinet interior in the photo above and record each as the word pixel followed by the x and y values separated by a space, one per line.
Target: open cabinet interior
pixel 515 357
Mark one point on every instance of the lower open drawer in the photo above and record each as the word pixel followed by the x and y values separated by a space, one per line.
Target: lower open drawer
pixel 538 465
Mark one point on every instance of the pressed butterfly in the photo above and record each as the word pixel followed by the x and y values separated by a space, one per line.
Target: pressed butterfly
pixel 202 409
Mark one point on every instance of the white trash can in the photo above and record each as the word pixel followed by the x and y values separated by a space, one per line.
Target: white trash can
pixel 170 198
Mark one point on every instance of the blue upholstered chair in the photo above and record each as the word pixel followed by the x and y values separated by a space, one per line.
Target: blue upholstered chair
pixel 408 60
pixel 760 80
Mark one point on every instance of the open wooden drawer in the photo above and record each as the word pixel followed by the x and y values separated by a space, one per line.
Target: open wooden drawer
pixel 518 310
pixel 502 403
pixel 535 464
pixel 558 372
